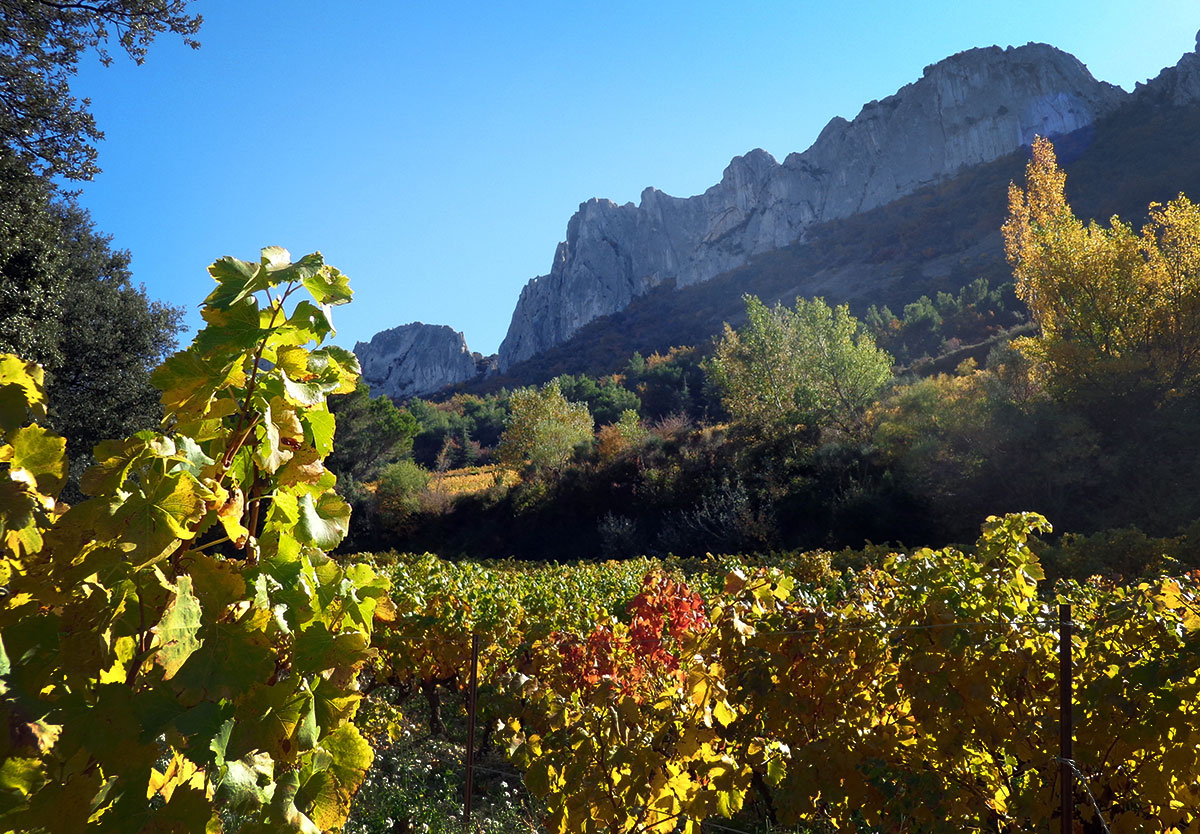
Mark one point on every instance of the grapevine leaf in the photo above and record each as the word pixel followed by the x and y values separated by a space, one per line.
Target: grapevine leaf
pixel 179 772
pixel 333 706
pixel 114 460
pixel 329 286
pixel 318 649
pixel 244 784
pixel 236 279
pixel 194 460
pixel 232 657
pixel 157 520
pixel 305 467
pixel 19 777
pixel 189 382
pixel 305 394
pixel 275 257
pixel 230 515
pixel 776 770
pixel 232 330
pixel 539 778
pixel 319 796
pixel 342 370
pixel 325 796
pixel 113 730
pixel 310 322
pixel 217 583
pixel 18 524
pixel 187 812
pixel 63 809
pixel 177 628
pixel 14 407
pixel 42 454
pixel 325 523
pixel 284 815
pixel 293 360
pixel 270 719
pixel 23 384
pixel 308 266
pixel 321 425
pixel 279 434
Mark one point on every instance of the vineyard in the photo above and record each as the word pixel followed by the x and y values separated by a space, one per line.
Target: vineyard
pixel 918 696
pixel 180 653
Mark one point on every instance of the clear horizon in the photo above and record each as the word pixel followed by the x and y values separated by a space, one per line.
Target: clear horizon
pixel 436 154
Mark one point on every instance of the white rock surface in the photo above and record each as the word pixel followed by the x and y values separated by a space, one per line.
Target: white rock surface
pixel 970 108
pixel 415 359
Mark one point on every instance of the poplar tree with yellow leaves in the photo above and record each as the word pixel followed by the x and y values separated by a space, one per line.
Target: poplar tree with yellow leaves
pixel 1118 309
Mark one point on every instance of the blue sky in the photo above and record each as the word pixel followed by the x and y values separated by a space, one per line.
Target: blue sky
pixel 435 151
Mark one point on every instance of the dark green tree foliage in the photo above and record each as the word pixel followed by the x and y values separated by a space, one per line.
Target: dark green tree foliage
pixel 68 303
pixel 672 384
pixel 111 337
pixel 456 433
pixel 933 326
pixel 606 398
pixel 30 259
pixel 372 433
pixel 41 44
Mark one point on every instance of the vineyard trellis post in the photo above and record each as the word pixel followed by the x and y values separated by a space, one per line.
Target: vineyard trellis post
pixel 1066 753
pixel 471 705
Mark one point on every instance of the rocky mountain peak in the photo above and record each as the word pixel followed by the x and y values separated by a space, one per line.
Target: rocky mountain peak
pixel 1175 86
pixel 415 359
pixel 970 108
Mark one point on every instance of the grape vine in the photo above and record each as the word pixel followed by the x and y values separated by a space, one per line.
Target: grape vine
pixel 179 653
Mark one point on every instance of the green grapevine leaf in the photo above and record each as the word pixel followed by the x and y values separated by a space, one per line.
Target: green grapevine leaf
pixel 245 784
pixel 320 425
pixel 23 387
pixel 231 330
pixel 177 628
pixel 41 453
pixel 236 280
pixel 329 286
pixel 323 523
pixel 189 382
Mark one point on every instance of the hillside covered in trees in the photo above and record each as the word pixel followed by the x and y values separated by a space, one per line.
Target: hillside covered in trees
pixel 791 567
pixel 808 427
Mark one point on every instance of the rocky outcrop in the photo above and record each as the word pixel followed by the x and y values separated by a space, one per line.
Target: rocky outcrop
pixel 1178 85
pixel 970 108
pixel 416 359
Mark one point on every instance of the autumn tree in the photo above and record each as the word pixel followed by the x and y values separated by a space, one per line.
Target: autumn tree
pixel 41 44
pixel 543 429
pixel 1117 309
pixel 812 365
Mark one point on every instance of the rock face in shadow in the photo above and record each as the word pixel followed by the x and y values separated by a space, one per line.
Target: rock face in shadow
pixel 973 107
pixel 415 359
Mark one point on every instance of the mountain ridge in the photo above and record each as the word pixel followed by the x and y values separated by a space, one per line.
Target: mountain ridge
pixel 966 110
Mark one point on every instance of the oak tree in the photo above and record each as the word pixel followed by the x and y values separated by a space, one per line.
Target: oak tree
pixel 41 44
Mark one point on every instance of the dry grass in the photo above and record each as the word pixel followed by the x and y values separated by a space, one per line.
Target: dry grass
pixel 472 479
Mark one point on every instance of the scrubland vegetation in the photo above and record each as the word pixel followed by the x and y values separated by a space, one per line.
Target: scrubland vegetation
pixel 788 578
pixel 715 586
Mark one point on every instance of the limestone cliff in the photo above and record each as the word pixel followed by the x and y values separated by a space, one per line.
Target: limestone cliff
pixel 1178 85
pixel 970 108
pixel 415 359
